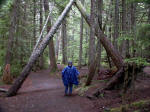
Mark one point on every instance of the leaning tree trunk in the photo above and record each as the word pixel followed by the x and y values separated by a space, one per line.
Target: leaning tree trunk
pixel 112 52
pixel 19 81
pixel 53 65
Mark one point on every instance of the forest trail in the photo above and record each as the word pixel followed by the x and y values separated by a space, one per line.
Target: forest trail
pixel 42 92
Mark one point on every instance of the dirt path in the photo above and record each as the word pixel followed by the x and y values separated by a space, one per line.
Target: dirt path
pixel 44 93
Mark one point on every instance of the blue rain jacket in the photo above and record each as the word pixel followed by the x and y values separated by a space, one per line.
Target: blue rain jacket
pixel 70 75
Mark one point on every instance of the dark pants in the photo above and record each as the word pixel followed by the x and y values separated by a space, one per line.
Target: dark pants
pixel 69 86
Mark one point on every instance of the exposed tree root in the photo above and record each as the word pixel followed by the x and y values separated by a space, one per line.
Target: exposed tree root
pixel 122 79
pixel 112 83
pixel 3 90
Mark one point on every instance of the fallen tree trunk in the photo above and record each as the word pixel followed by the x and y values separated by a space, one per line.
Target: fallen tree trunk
pixel 19 81
pixel 3 90
pixel 112 83
pixel 123 79
pixel 114 54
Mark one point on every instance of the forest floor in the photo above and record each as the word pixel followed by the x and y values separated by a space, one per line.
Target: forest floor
pixel 44 92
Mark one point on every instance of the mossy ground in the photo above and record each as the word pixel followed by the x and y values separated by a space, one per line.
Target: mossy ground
pixel 136 106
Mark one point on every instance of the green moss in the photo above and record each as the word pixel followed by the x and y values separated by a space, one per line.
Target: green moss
pixel 137 111
pixel 137 105
pixel 119 109
pixel 1 82
pixel 81 90
pixel 140 104
pixel 53 70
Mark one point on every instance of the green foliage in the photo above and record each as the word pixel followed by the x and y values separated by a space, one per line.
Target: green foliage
pixel 60 4
pixel 81 90
pixel 16 69
pixel 1 72
pixel 124 37
pixel 135 105
pixel 2 53
pixel 144 35
pixel 140 1
pixel 138 61
pixel 3 2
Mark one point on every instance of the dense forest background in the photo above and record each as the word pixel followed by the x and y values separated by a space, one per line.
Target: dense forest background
pixel 125 22
pixel 108 42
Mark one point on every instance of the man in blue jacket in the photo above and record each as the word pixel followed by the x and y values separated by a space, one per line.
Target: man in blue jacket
pixel 69 77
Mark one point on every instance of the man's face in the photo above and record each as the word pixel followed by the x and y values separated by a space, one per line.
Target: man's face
pixel 69 64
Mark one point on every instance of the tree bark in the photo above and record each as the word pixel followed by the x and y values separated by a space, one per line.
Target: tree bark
pixel 92 48
pixel 81 40
pixel 57 45
pixel 149 14
pixel 112 82
pixel 86 52
pixel 116 24
pixel 53 65
pixel 148 54
pixel 128 30
pixel 72 52
pixel 99 13
pixel 110 19
pixel 91 72
pixel 7 78
pixel 41 58
pixel 34 21
pixel 12 32
pixel 124 28
pixel 19 81
pixel 114 54
pixel 64 41
pixel 133 26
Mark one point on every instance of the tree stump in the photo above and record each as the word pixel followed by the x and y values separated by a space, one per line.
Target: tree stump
pixel 121 80
pixel 7 78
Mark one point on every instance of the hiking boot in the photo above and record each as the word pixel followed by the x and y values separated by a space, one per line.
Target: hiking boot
pixel 65 94
pixel 70 94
